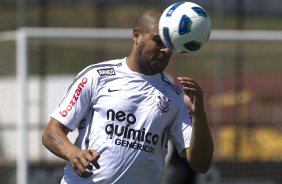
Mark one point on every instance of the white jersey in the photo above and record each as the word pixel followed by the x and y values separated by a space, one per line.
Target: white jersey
pixel 128 118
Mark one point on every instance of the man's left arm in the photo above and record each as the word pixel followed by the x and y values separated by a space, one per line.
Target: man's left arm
pixel 200 153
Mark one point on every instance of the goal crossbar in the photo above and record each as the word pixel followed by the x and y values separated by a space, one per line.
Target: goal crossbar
pixel 104 33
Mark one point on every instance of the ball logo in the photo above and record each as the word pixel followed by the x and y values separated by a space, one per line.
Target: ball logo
pixel 163 104
pixel 171 10
pixel 200 11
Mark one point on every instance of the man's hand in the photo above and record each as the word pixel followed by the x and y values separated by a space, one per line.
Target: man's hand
pixel 193 97
pixel 83 162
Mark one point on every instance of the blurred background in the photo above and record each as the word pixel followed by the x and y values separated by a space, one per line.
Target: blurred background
pixel 242 81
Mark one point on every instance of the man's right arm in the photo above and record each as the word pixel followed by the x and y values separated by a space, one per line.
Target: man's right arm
pixel 55 140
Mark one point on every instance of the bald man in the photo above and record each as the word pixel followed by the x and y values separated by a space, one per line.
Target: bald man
pixel 125 111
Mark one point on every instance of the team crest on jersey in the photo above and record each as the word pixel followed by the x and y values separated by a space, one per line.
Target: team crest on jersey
pixel 163 104
pixel 106 71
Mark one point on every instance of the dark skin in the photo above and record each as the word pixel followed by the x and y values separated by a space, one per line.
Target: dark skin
pixel 148 56
pixel 55 139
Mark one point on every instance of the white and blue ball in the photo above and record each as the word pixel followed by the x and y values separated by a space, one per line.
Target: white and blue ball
pixel 184 27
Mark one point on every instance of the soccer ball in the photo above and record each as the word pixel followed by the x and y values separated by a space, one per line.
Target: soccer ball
pixel 184 27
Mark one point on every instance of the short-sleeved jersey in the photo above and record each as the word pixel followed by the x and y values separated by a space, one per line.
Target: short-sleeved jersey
pixel 128 118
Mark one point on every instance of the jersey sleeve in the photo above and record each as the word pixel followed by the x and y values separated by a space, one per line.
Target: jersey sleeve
pixel 181 130
pixel 76 101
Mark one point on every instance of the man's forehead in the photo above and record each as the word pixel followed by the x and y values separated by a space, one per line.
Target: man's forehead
pixel 153 31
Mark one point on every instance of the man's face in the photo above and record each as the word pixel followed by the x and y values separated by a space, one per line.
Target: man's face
pixel 153 56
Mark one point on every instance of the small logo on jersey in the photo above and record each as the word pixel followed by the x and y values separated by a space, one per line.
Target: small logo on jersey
pixel 106 71
pixel 163 104
pixel 113 90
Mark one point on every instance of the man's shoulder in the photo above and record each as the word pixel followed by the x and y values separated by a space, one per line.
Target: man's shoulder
pixel 105 68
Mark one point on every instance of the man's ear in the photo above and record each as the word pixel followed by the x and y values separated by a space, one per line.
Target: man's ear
pixel 136 35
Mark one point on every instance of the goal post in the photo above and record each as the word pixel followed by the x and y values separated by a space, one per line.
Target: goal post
pixel 22 37
pixel 22 111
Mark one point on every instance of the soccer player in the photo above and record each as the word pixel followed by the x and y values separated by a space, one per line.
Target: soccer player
pixel 125 111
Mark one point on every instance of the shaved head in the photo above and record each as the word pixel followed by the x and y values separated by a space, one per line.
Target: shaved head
pixel 147 20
